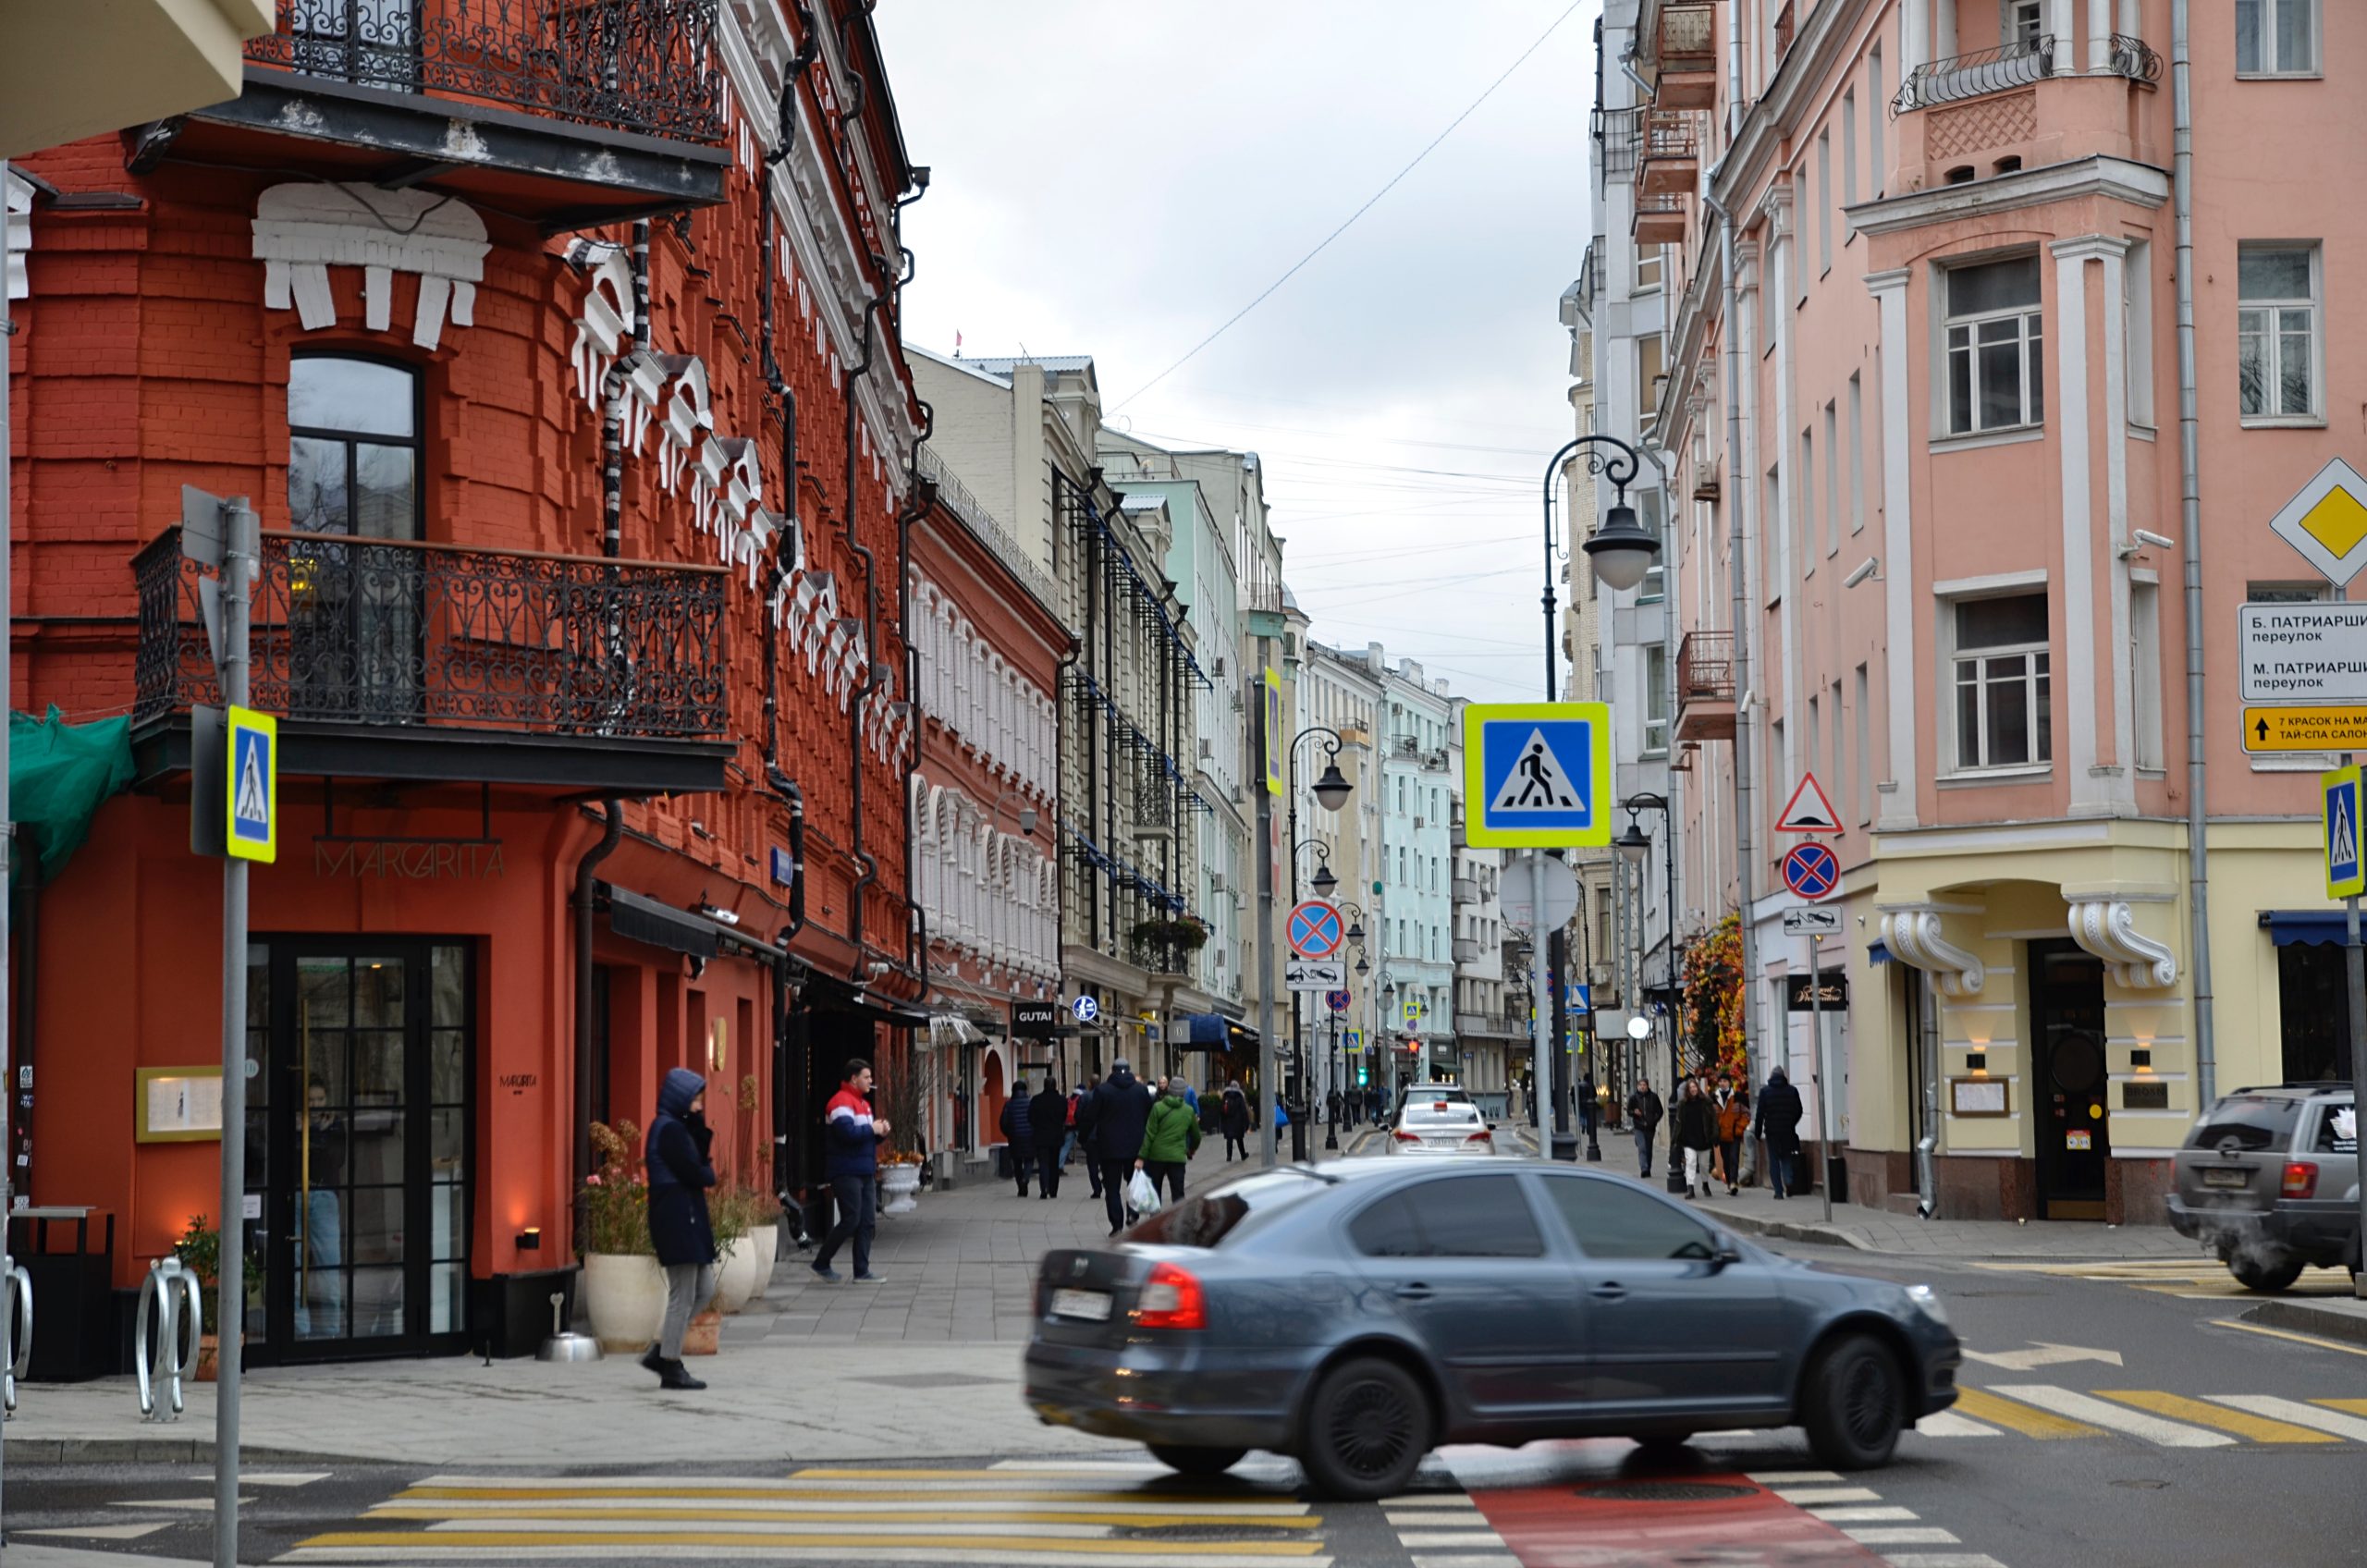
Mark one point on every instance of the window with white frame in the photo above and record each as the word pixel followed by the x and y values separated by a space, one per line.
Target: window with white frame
pixel 1804 517
pixel 2137 330
pixel 1857 454
pixel 1848 151
pixel 1655 700
pixel 1999 674
pixel 1996 370
pixel 1876 101
pixel 2023 21
pixel 1650 269
pixel 1654 587
pixel 1831 480
pixel 1865 715
pixel 2277 336
pixel 2276 37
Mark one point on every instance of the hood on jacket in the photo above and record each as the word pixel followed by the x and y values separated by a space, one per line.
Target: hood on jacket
pixel 1121 1073
pixel 1779 1076
pixel 682 1086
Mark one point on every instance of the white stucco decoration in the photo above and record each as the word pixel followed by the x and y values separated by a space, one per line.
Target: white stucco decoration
pixel 1918 938
pixel 301 231
pixel 20 208
pixel 2107 927
pixel 686 419
pixel 606 319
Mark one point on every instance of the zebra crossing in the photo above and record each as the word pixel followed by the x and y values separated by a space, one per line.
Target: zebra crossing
pixel 2049 1412
pixel 1076 1514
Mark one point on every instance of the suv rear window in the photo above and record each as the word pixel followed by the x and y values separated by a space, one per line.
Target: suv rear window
pixel 1209 1220
pixel 2253 1121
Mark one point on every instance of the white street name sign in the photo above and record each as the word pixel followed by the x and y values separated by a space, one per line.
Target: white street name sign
pixel 2305 652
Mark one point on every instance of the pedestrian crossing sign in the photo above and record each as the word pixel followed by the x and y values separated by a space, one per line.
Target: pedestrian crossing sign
pixel 1538 774
pixel 254 785
pixel 2346 875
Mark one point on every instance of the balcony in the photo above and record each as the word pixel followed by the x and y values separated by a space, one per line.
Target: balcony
pixel 1686 52
pixel 1659 220
pixel 1155 812
pixel 1466 950
pixel 1705 686
pixel 1464 890
pixel 400 661
pixel 573 110
pixel 2030 103
pixel 1672 154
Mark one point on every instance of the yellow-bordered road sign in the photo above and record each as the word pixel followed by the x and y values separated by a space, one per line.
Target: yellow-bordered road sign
pixel 254 785
pixel 1536 775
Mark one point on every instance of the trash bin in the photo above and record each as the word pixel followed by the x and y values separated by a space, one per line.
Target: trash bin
pixel 73 1290
pixel 1298 1133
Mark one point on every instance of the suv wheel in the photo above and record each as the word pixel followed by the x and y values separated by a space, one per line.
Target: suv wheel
pixel 2268 1275
pixel 1201 1462
pixel 1854 1404
pixel 1368 1427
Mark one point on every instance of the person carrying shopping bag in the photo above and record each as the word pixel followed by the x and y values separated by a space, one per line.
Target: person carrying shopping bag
pixel 1170 1138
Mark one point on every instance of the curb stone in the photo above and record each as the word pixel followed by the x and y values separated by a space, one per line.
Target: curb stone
pixel 2332 1319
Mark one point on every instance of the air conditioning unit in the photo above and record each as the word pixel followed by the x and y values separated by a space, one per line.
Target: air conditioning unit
pixel 1417 823
pixel 1705 481
pixel 1207 749
pixel 1218 666
pixel 1216 883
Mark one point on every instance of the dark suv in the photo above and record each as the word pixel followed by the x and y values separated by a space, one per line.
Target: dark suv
pixel 2270 1179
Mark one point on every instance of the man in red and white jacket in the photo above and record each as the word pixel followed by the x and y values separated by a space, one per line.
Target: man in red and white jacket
pixel 851 1137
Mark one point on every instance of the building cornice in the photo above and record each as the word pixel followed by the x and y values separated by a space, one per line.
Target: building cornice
pixel 2120 179
pixel 1806 67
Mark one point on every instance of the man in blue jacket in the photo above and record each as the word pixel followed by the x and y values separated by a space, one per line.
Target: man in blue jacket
pixel 851 1137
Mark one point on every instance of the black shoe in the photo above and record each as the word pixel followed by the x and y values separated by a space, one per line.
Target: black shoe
pixel 1115 1229
pixel 824 1271
pixel 675 1375
pixel 868 1278
pixel 652 1360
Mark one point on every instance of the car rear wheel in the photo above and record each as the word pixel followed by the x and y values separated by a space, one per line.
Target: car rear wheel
pixel 2267 1275
pixel 1854 1404
pixel 1196 1460
pixel 1368 1427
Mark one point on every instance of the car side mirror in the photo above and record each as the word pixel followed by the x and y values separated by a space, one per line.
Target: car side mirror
pixel 1728 1253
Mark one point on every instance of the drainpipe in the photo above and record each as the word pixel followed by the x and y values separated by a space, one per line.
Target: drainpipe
pixel 2197 854
pixel 870 681
pixel 609 835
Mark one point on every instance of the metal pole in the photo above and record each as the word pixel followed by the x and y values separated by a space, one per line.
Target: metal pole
pixel 1675 995
pixel 2354 967
pixel 1816 1043
pixel 1266 1092
pixel 2198 776
pixel 1548 1058
pixel 8 1094
pixel 241 546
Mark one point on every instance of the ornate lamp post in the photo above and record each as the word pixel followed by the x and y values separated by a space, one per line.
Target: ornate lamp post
pixel 1635 844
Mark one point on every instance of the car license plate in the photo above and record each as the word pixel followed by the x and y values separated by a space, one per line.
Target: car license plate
pixel 1091 1306
pixel 2226 1178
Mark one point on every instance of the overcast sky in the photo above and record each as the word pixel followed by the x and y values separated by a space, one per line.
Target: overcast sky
pixel 1116 178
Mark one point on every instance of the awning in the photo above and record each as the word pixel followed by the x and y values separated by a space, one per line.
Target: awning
pixel 1209 1031
pixel 2301 927
pixel 819 990
pixel 642 919
pixel 1878 954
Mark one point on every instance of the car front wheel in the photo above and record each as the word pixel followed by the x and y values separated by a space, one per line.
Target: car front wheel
pixel 1202 1462
pixel 1854 1404
pixel 2267 1275
pixel 1368 1427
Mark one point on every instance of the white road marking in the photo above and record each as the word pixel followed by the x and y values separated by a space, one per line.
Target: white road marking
pixel 1482 1538
pixel 1864 1515
pixel 102 1532
pixel 1803 1497
pixel 1941 1560
pixel 1948 1424
pixel 1898 1535
pixel 2116 1417
pixel 2300 1415
pixel 1789 1478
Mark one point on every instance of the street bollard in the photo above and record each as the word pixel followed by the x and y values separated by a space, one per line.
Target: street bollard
pixel 170 1290
pixel 20 1350
pixel 1298 1135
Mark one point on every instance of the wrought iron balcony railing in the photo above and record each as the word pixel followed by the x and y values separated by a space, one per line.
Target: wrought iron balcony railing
pixel 1688 36
pixel 1705 667
pixel 2132 58
pixel 646 67
pixel 371 631
pixel 2018 64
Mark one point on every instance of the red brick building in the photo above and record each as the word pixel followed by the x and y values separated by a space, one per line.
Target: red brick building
pixel 563 370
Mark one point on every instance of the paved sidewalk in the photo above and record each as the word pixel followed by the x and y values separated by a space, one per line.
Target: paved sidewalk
pixel 1801 1218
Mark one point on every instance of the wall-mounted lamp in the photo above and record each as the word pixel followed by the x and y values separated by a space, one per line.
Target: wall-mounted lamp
pixel 1871 567
pixel 2141 1060
pixel 1977 1062
pixel 531 1239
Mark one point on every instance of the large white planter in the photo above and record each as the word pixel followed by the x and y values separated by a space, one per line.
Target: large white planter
pixel 901 1183
pixel 735 1277
pixel 624 1294
pixel 766 1240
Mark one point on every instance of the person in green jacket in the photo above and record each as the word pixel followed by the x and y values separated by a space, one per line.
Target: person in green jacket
pixel 1171 1137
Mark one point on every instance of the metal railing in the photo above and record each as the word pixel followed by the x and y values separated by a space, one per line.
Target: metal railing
pixel 1620 132
pixel 1652 208
pixel 2018 64
pixel 164 1343
pixel 1160 955
pixel 1688 35
pixel 646 67
pixel 1705 667
pixel 1669 133
pixel 2133 58
pixel 989 528
pixel 396 632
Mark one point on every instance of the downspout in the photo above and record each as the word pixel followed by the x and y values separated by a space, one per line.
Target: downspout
pixel 2197 851
pixel 610 835
pixel 924 495
pixel 861 697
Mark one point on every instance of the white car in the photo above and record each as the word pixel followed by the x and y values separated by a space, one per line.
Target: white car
pixel 1441 1126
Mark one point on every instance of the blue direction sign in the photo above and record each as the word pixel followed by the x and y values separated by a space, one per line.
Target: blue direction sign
pixel 2346 875
pixel 1315 930
pixel 1085 1009
pixel 254 785
pixel 1538 774
pixel 1811 871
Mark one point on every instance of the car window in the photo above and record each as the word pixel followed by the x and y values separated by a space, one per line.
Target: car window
pixel 1442 1116
pixel 2253 1121
pixel 1450 1217
pixel 1226 1213
pixel 1611 1219
pixel 2337 1128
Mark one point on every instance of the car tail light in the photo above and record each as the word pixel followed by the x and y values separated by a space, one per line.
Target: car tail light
pixel 2301 1180
pixel 1480 1137
pixel 1403 1136
pixel 1172 1300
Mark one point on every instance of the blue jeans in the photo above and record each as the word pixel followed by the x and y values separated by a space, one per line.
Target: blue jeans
pixel 1644 1150
pixel 1067 1143
pixel 323 1244
pixel 1779 1167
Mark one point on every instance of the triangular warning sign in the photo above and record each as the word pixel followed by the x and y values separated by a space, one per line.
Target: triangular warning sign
pixel 1808 811
pixel 254 796
pixel 1538 782
pixel 2342 834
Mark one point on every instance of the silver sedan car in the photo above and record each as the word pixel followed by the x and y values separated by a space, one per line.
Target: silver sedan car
pixel 1440 1127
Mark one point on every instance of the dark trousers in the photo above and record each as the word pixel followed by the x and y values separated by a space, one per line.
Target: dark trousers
pixel 1731 1153
pixel 1048 1170
pixel 1114 1176
pixel 1022 1161
pixel 1779 1167
pixel 1167 1173
pixel 857 1198
pixel 1236 1145
pixel 1644 1150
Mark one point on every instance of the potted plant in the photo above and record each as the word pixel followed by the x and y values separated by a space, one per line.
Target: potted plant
pixel 624 1290
pixel 200 1250
pixel 901 1098
pixel 733 1216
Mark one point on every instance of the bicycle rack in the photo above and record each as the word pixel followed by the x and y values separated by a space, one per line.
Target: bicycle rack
pixel 19 1351
pixel 170 1290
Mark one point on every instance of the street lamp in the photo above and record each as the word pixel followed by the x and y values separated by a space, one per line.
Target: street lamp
pixel 1620 551
pixel 1331 790
pixel 1635 846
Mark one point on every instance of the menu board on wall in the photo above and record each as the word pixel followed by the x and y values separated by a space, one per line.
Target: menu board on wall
pixel 177 1105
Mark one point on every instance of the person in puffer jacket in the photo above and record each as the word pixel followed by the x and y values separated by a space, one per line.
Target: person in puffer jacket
pixel 1018 1133
pixel 851 1137
pixel 680 1231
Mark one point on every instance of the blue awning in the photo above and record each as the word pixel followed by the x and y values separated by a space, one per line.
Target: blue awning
pixel 2291 927
pixel 1210 1030
pixel 1878 954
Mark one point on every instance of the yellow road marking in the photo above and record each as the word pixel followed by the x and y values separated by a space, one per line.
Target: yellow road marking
pixel 381 1540
pixel 775 1494
pixel 2355 1406
pixel 2259 1428
pixel 2026 1419
pixel 2301 1339
pixel 842 1516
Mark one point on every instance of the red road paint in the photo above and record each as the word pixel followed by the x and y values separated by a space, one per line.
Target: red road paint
pixel 1562 1526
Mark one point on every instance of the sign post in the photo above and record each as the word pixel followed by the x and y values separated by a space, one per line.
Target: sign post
pixel 1538 896
pixel 2339 792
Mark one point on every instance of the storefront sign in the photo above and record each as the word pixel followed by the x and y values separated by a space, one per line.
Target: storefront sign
pixel 1832 992
pixel 1978 1096
pixel 1035 1021
pixel 410 859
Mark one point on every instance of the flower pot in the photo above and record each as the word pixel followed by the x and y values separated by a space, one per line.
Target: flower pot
pixel 625 1295
pixel 735 1275
pixel 704 1334
pixel 766 1240
pixel 901 1184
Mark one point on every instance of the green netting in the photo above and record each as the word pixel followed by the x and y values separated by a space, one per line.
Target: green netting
pixel 58 775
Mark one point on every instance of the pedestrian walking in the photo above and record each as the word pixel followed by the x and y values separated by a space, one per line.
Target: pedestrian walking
pixel 679 1174
pixel 1644 1118
pixel 1018 1133
pixel 1111 1126
pixel 1733 1125
pixel 851 1139
pixel 1171 1137
pixel 1332 1105
pixel 1067 1126
pixel 1047 1115
pixel 1779 1123
pixel 1233 1117
pixel 1697 1134
pixel 1588 1111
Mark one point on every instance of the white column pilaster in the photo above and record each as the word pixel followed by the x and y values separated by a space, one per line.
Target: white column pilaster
pixel 1914 36
pixel 1783 245
pixel 2099 37
pixel 2059 22
pixel 1897 807
pixel 2075 679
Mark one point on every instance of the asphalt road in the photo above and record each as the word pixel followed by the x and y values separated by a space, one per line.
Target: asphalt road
pixel 2196 1447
